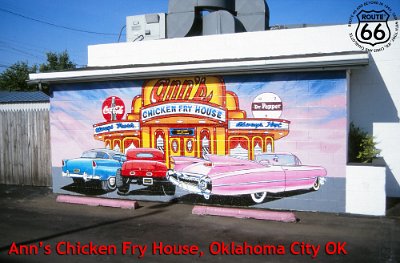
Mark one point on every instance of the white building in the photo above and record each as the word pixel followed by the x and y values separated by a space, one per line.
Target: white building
pixel 373 78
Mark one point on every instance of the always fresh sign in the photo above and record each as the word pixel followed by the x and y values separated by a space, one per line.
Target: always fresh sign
pixel 116 127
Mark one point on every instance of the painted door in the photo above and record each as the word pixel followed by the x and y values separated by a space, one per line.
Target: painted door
pixel 182 146
pixel 189 146
pixel 175 147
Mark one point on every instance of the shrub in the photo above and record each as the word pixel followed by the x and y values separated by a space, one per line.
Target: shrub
pixel 362 147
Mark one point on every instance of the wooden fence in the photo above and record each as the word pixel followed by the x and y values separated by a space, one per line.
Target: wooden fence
pixel 25 157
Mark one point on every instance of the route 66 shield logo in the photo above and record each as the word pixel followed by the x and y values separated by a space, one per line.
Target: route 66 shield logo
pixel 373 28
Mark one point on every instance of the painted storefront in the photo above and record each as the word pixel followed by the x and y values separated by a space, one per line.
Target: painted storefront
pixel 192 117
pixel 303 114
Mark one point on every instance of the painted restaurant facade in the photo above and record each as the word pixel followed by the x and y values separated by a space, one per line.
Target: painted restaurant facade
pixel 192 116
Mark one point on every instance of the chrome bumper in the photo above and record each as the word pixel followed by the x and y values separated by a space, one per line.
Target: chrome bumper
pixel 83 176
pixel 189 183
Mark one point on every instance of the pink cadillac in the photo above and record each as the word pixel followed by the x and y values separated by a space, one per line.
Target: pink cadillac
pixel 224 175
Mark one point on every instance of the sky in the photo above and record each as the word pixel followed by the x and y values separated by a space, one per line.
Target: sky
pixel 30 28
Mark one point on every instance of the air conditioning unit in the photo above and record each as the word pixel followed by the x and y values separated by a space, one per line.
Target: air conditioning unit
pixel 145 27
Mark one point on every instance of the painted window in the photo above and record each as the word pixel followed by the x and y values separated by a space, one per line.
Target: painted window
pixel 205 142
pixel 160 140
pixel 239 147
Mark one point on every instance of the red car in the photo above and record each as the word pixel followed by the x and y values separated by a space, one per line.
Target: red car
pixel 143 166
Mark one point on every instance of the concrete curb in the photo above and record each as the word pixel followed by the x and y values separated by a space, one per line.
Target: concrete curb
pixel 93 201
pixel 287 217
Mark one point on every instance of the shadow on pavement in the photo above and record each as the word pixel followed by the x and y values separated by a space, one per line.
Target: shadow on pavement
pixel 89 188
pixel 77 230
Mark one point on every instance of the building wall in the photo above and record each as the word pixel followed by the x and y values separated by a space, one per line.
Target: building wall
pixel 294 56
pixel 375 104
pixel 265 44
pixel 374 89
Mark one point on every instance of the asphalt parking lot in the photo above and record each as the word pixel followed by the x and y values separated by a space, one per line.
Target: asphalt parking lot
pixel 35 228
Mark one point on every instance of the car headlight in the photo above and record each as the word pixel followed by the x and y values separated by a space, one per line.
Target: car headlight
pixel 205 183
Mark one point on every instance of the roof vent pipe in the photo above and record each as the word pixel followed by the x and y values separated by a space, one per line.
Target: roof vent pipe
pixel 204 17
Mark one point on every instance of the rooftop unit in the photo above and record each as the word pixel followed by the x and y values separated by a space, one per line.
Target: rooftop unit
pixel 145 27
pixel 188 18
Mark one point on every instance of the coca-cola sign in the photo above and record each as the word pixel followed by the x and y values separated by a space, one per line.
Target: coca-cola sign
pixel 113 109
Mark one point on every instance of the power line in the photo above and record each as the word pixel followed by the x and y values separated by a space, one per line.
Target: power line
pixel 120 33
pixel 25 45
pixel 8 48
pixel 56 25
pixel 21 52
pixel 4 45
pixel 21 45
pixel 28 47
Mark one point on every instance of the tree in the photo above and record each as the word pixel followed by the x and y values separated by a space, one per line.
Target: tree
pixel 14 78
pixel 57 62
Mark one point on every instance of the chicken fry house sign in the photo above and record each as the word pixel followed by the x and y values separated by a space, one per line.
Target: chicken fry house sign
pixel 166 97
pixel 195 116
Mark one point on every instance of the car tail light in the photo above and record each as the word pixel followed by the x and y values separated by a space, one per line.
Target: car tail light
pixel 63 163
pixel 208 164
pixel 94 164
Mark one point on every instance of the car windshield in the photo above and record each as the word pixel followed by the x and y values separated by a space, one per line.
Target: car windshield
pixel 94 155
pixel 277 159
pixel 144 155
pixel 119 157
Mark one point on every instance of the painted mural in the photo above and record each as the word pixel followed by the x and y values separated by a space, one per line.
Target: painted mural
pixel 255 140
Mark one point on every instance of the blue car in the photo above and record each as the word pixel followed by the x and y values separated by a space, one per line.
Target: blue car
pixel 95 165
